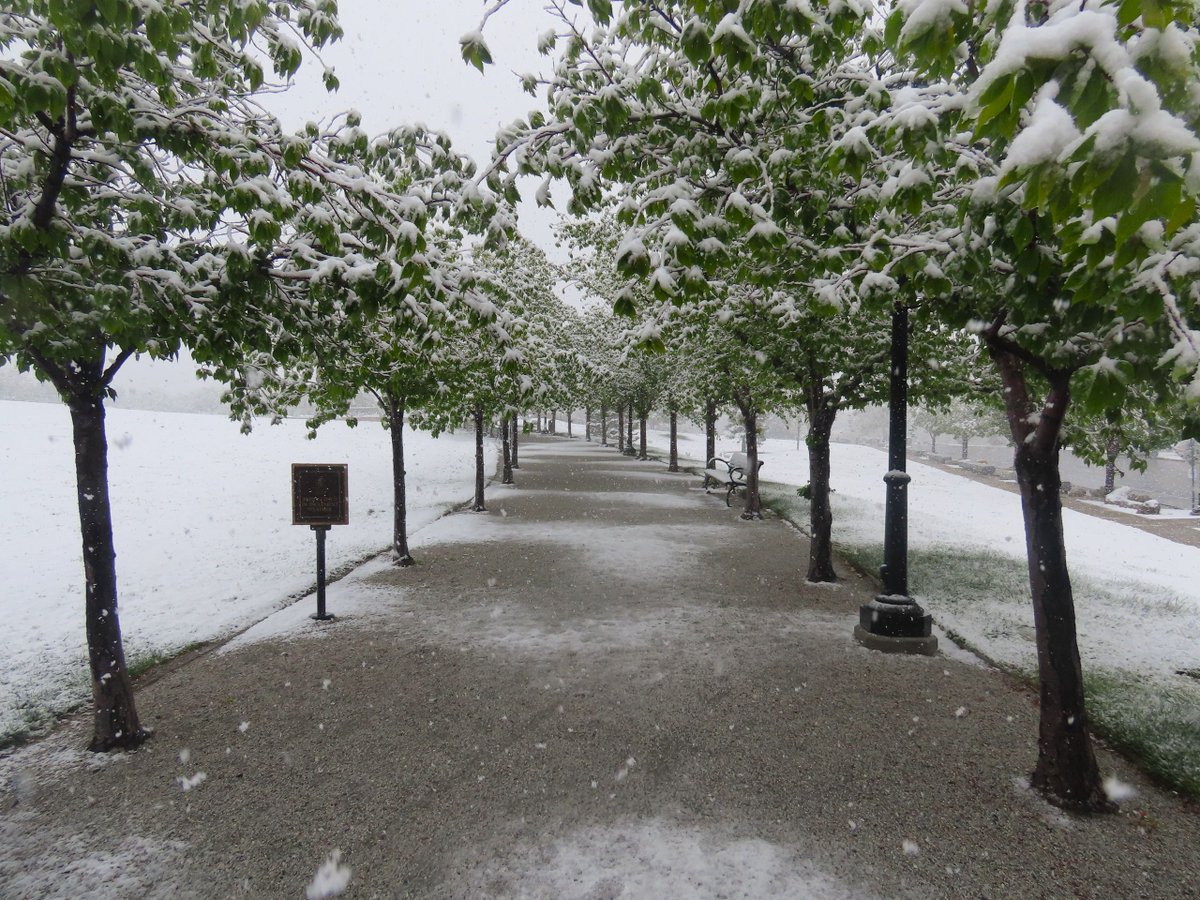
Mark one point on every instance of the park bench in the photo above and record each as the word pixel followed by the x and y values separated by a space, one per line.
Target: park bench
pixel 727 473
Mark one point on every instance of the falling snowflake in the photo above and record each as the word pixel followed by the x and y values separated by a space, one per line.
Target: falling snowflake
pixel 1118 790
pixel 186 784
pixel 910 848
pixel 332 878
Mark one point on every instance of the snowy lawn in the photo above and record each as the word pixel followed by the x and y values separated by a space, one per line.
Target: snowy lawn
pixel 202 522
pixel 1136 594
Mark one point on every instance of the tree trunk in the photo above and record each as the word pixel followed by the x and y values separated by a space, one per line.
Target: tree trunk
pixel 539 421
pixel 820 513
pixel 587 424
pixel 933 442
pixel 673 465
pixel 505 431
pixel 965 441
pixel 629 451
pixel 400 552
pixel 710 431
pixel 753 507
pixel 603 425
pixel 621 428
pixel 554 421
pixel 115 722
pixel 642 437
pixel 1111 451
pixel 570 422
pixel 478 505
pixel 1066 771
pixel 516 440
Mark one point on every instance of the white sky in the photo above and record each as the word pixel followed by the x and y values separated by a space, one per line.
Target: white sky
pixel 400 62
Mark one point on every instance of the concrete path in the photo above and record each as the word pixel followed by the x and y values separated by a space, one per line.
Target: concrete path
pixel 606 686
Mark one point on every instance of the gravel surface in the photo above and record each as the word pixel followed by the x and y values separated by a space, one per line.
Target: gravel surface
pixel 606 686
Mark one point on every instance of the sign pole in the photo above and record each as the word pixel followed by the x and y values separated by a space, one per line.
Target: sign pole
pixel 321 615
pixel 320 498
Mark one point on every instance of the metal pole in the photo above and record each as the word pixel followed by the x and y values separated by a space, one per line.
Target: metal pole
pixel 893 621
pixel 321 615
pixel 894 571
pixel 1195 503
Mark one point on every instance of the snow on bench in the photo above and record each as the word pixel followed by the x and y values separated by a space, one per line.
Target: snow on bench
pixel 731 477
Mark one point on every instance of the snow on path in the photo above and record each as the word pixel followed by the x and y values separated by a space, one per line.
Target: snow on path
pixel 654 858
pixel 203 531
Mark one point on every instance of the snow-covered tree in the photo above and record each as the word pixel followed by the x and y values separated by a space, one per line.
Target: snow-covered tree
pixel 1059 151
pixel 964 417
pixel 348 334
pixel 144 192
pixel 783 148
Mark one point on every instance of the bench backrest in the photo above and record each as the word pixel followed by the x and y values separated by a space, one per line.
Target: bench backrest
pixel 739 460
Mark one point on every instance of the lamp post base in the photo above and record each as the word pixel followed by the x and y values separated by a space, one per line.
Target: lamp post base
pixel 895 624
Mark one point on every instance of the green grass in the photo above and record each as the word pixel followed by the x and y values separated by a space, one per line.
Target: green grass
pixel 1154 722
pixel 1156 725
pixel 141 663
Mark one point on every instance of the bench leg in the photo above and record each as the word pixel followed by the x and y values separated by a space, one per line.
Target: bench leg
pixel 728 494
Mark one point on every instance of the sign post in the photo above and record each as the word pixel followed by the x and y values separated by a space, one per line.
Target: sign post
pixel 320 499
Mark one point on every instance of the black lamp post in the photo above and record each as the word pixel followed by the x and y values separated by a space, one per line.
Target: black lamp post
pixel 893 621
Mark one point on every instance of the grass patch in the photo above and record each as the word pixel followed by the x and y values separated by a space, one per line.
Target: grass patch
pixel 1155 724
pixel 142 663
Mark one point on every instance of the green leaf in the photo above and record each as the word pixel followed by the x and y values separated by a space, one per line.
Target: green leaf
pixel 891 31
pixel 1093 100
pixel 601 10
pixel 1157 203
pixel 1118 190
pixel 1183 213
pixel 1103 387
pixel 1023 232
pixel 1129 10
pixel 1154 15
pixel 474 50
pixel 655 346
pixel 696 45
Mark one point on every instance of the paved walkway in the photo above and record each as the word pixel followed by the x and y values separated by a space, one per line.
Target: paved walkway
pixel 606 686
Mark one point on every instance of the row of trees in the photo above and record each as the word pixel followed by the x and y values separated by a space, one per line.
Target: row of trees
pixel 769 183
pixel 1021 178
pixel 150 204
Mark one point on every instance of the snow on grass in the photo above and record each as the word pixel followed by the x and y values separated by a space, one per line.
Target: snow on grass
pixel 56 863
pixel 653 858
pixel 202 522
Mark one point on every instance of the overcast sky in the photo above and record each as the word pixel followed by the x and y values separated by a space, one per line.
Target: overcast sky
pixel 399 63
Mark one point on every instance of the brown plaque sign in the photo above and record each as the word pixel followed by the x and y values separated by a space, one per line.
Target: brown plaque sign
pixel 320 495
